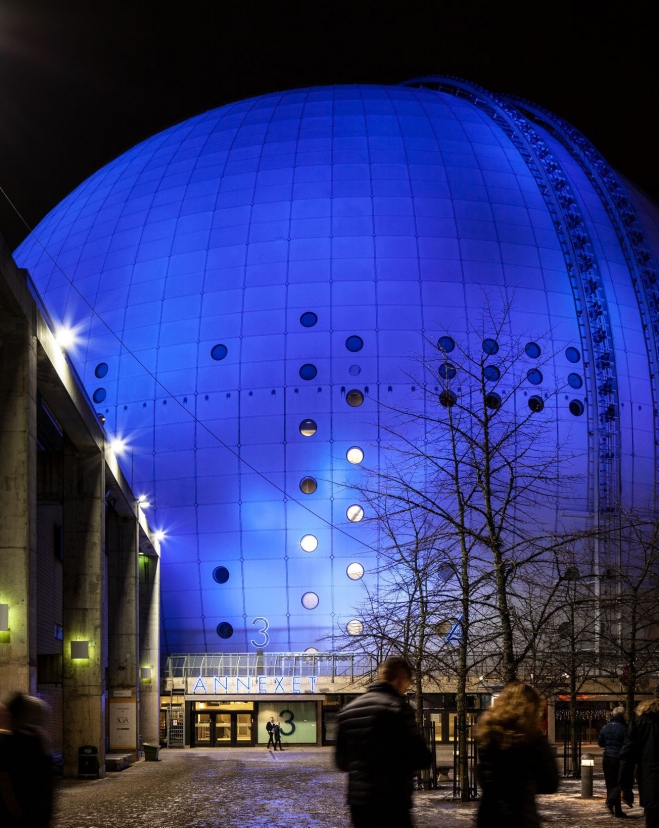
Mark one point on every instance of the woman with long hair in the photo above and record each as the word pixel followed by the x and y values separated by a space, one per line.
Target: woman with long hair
pixel 515 760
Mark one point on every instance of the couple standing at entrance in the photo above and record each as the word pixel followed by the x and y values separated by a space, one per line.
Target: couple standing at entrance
pixel 274 733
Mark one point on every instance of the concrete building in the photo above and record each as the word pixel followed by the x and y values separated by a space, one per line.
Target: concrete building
pixel 79 564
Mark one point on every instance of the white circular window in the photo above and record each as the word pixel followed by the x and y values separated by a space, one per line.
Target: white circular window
pixel 355 571
pixel 311 650
pixel 354 513
pixel 310 600
pixel 354 627
pixel 354 455
pixel 309 543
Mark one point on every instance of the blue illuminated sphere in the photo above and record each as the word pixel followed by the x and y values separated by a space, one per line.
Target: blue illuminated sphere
pixel 275 263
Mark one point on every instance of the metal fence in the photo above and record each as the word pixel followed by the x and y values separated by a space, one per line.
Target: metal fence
pixel 331 665
pixel 428 779
pixel 472 759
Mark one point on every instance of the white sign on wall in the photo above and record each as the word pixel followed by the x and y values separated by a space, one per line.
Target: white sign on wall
pixel 123 725
pixel 237 685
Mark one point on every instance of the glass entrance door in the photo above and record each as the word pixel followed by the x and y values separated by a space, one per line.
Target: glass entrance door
pixel 223 728
pixel 243 728
pixel 202 729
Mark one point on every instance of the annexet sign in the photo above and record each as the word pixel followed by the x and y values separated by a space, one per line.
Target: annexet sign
pixel 235 685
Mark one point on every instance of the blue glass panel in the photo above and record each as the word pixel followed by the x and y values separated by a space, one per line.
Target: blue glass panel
pixel 308 319
pixel 446 371
pixel 101 370
pixel 99 395
pixel 534 376
pixel 219 352
pixel 308 371
pixel 490 346
pixel 575 380
pixel 533 350
pixel 354 343
pixel 446 344
pixel 491 373
pixel 572 354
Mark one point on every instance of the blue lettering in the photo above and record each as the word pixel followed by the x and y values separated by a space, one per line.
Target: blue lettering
pixel 200 683
pixel 296 684
pixel 279 685
pixel 246 685
pixel 222 683
pixel 262 684
pixel 312 682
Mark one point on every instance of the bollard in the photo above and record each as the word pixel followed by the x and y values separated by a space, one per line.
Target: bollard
pixel 587 770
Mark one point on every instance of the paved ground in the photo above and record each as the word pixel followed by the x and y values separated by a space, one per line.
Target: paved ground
pixel 255 788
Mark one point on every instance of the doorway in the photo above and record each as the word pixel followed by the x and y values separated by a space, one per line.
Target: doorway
pixel 213 727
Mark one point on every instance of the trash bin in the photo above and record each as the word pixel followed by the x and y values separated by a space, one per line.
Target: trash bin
pixel 88 762
pixel 151 752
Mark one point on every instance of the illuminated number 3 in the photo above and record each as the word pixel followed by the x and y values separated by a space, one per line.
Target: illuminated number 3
pixel 263 631
pixel 288 721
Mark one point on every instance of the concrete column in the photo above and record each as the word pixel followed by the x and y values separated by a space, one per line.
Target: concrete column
pixel 150 648
pixel 84 590
pixel 18 503
pixel 122 543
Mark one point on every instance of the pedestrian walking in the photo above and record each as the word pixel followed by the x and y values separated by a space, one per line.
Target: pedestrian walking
pixel 640 753
pixel 380 747
pixel 611 738
pixel 515 760
pixel 270 727
pixel 277 732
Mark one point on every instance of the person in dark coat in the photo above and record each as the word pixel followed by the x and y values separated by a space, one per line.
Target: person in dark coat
pixel 515 760
pixel 270 727
pixel 380 747
pixel 611 738
pixel 640 752
pixel 276 731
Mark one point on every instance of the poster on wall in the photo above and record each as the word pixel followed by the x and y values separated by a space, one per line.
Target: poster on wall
pixel 123 725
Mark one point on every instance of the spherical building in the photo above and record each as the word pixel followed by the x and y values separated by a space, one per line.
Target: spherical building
pixel 248 285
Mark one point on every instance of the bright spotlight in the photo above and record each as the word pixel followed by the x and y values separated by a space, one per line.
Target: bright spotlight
pixel 143 502
pixel 118 445
pixel 159 535
pixel 65 337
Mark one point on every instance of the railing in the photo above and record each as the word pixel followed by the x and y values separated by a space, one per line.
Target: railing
pixel 331 665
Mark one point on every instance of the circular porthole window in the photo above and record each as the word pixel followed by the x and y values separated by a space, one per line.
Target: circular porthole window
pixel 532 350
pixel 354 398
pixel 224 630
pixel 491 373
pixel 354 343
pixel 355 513
pixel 311 651
pixel 575 381
pixel 308 319
pixel 490 346
pixel 309 543
pixel 536 403
pixel 354 627
pixel 446 344
pixel 354 455
pixel 447 371
pixel 448 398
pixel 576 408
pixel 308 428
pixel 99 395
pixel 218 352
pixel 572 355
pixel 221 574
pixel 101 369
pixel 355 571
pixel 310 600
pixel 308 485
pixel 308 371
pixel 354 370
pixel 493 401
pixel 534 376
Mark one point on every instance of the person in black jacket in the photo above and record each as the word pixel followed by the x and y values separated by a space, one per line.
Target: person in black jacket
pixel 515 760
pixel 270 727
pixel 611 737
pixel 380 747
pixel 640 751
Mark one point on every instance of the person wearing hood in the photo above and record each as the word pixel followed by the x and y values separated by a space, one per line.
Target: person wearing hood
pixel 640 753
pixel 611 738
pixel 380 747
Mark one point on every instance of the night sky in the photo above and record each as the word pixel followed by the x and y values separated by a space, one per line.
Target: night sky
pixel 80 82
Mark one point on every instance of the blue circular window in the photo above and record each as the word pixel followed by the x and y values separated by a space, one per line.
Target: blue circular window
pixel 491 373
pixel 493 400
pixel 308 485
pixel 308 428
pixel 99 395
pixel 575 381
pixel 446 371
pixel 532 350
pixel 536 403
pixel 572 354
pixel 576 408
pixel 490 346
pixel 447 399
pixel 308 371
pixel 224 629
pixel 221 574
pixel 354 343
pixel 101 369
pixel 534 376
pixel 308 319
pixel 354 398
pixel 446 344
pixel 354 370
pixel 218 352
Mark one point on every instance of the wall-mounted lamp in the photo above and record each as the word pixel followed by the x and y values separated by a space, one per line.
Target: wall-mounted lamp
pixel 145 672
pixel 4 617
pixel 80 649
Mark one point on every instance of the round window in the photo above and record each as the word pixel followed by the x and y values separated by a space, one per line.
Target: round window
pixel 354 370
pixel 309 543
pixel 490 346
pixel 575 381
pixel 534 376
pixel 446 344
pixel 224 629
pixel 308 319
pixel 355 571
pixel 354 398
pixel 310 600
pixel 532 350
pixel 448 398
pixel 308 485
pixel 493 401
pixel 99 395
pixel 576 408
pixel 308 371
pixel 354 627
pixel 354 455
pixel 308 428
pixel 218 352
pixel 446 370
pixel 354 343
pixel 101 369
pixel 354 513
pixel 536 403
pixel 572 354
pixel 221 574
pixel 491 373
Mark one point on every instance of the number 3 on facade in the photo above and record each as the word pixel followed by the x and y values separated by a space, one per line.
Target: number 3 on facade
pixel 263 631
